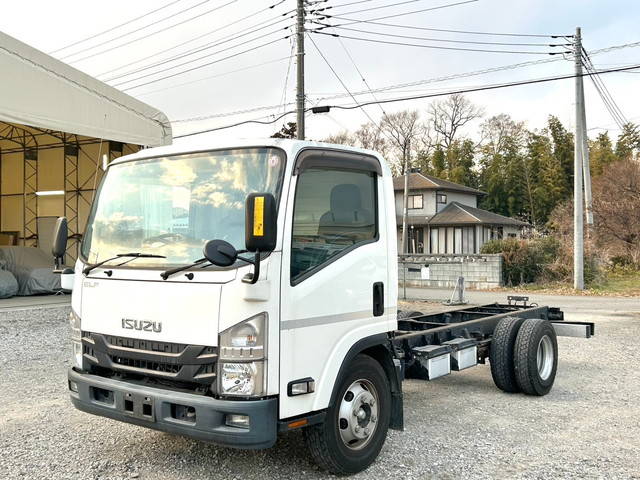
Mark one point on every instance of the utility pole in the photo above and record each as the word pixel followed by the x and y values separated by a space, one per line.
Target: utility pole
pixel 578 221
pixel 300 70
pixel 405 202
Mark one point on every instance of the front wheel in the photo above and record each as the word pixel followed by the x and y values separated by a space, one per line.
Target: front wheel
pixel 355 427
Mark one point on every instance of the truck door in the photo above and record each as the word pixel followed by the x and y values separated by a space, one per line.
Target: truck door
pixel 334 271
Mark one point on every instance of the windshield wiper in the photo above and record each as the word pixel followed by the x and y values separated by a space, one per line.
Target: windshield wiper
pixel 172 271
pixel 132 255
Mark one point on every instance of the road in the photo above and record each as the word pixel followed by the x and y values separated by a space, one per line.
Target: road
pixel 459 426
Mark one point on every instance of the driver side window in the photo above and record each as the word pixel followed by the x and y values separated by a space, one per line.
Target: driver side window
pixel 334 212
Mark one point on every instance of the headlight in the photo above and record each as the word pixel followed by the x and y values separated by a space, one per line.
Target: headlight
pixel 76 340
pixel 242 358
pixel 244 379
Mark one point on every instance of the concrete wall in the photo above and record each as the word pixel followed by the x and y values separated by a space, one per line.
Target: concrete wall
pixel 479 271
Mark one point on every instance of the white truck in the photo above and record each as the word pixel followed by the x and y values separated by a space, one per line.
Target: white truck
pixel 231 293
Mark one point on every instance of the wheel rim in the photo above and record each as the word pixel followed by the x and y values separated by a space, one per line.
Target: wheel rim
pixel 545 357
pixel 358 414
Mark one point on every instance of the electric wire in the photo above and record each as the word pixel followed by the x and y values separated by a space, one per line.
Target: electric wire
pixel 437 47
pixel 364 80
pixel 111 29
pixel 145 37
pixel 206 64
pixel 431 39
pixel 209 32
pixel 324 16
pixel 605 91
pixel 178 85
pixel 283 97
pixel 341 81
pixel 417 97
pixel 607 102
pixel 444 30
pixel 195 51
pixel 366 9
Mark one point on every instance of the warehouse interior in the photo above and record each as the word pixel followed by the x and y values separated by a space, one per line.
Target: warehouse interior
pixel 59 129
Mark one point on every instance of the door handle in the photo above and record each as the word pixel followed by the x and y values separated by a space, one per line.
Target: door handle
pixel 378 299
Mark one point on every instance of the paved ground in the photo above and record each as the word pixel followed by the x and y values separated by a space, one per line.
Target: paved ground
pixel 459 426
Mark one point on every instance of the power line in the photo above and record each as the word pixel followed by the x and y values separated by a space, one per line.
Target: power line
pixel 437 47
pixel 283 98
pixel 194 51
pixel 144 37
pixel 340 80
pixel 364 80
pixel 486 87
pixel 113 28
pixel 365 9
pixel 164 51
pixel 431 39
pixel 206 64
pixel 212 76
pixel 604 93
pixel 324 16
pixel 418 97
pixel 444 30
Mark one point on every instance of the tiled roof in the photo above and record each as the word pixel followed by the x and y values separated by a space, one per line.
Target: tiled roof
pixel 456 214
pixel 421 181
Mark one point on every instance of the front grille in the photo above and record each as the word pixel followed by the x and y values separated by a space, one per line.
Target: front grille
pixel 177 362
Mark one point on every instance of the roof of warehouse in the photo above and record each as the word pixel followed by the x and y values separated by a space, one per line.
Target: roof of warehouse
pixel 422 181
pixel 455 213
pixel 38 90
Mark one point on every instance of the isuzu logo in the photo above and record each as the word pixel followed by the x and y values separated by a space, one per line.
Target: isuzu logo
pixel 144 325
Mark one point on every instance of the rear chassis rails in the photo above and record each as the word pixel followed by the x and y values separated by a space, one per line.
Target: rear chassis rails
pixel 430 346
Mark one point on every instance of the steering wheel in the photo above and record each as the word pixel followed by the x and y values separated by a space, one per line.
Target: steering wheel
pixel 332 237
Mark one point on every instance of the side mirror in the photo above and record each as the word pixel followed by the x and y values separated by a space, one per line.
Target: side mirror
pixel 260 222
pixel 220 253
pixel 60 233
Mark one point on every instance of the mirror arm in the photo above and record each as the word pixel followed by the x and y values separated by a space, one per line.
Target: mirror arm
pixel 252 278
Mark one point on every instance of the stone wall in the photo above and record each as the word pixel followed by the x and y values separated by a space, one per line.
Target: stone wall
pixel 443 270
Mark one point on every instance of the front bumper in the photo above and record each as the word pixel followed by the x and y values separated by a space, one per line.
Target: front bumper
pixel 161 409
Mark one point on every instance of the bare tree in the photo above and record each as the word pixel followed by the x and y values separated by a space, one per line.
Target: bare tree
pixel 450 115
pixel 404 132
pixel 403 129
pixel 341 138
pixel 370 136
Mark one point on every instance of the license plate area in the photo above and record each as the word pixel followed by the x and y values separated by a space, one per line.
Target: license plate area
pixel 138 406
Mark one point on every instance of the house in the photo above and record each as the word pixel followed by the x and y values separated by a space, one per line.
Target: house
pixel 443 217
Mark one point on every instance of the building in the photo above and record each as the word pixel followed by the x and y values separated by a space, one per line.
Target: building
pixel 443 217
pixel 59 128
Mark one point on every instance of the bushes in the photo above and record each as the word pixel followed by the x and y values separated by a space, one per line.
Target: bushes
pixel 525 261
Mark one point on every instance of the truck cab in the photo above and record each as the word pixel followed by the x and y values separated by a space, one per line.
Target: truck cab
pixel 232 292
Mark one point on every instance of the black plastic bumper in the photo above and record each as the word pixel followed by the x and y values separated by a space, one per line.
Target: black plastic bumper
pixel 158 408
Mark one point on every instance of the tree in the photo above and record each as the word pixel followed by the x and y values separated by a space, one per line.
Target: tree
pixel 562 142
pixel 341 138
pixel 460 158
pixel 287 131
pixel 601 153
pixel 404 131
pixel 628 142
pixel 448 116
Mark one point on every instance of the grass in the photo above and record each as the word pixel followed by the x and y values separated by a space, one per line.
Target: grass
pixel 623 282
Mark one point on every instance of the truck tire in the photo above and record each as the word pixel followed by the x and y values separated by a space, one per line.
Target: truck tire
pixel 404 314
pixel 536 356
pixel 501 355
pixel 355 427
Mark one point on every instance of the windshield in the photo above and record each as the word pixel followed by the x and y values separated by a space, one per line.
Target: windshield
pixel 172 205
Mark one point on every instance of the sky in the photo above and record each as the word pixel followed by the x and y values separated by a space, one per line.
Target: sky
pixel 227 78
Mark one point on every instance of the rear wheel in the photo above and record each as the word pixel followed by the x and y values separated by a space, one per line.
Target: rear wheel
pixel 536 357
pixel 355 427
pixel 501 354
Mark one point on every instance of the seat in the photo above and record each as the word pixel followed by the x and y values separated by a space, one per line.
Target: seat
pixel 347 219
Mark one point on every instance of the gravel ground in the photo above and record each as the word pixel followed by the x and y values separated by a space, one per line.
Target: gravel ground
pixel 459 426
